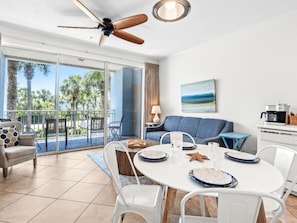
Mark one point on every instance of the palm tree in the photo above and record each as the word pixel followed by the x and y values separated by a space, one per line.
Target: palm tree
pixel 71 90
pixel 12 88
pixel 28 68
pixel 94 83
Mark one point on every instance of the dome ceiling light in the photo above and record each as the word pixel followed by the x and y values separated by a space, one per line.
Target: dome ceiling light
pixel 171 10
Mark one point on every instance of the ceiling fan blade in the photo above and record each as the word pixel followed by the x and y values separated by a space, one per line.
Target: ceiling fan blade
pixel 88 12
pixel 127 36
pixel 102 40
pixel 78 27
pixel 130 21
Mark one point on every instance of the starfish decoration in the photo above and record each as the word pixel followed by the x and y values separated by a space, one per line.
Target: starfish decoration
pixel 197 156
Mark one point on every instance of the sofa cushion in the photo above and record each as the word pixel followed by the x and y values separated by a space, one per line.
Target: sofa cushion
pixel 172 123
pixel 189 125
pixel 209 128
pixel 9 135
pixel 155 136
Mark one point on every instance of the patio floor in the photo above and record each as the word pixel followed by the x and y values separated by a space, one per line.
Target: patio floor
pixel 73 144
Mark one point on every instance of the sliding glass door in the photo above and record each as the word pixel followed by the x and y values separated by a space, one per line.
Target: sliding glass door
pixel 81 100
pixel 71 102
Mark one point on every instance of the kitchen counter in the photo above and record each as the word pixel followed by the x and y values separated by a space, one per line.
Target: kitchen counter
pixel 286 127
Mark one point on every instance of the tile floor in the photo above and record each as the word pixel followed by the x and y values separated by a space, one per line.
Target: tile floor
pixel 69 187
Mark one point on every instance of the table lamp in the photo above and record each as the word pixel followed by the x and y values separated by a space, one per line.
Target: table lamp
pixel 156 110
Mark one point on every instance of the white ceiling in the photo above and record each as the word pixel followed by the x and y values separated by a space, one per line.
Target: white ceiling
pixel 208 20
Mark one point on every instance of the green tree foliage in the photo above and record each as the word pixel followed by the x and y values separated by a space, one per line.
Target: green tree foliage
pixel 41 100
pixel 77 92
pixel 83 92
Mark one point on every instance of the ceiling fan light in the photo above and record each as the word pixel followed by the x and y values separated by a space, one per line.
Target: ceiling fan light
pixel 171 10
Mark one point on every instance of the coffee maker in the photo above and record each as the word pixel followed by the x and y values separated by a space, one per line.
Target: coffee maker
pixel 276 114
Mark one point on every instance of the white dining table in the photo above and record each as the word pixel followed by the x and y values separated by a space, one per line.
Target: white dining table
pixel 174 171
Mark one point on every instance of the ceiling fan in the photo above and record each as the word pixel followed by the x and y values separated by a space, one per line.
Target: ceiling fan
pixel 112 28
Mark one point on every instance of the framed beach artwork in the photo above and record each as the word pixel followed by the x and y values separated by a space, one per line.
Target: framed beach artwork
pixel 199 96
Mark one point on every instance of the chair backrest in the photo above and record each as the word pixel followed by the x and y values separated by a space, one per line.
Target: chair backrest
pixel 97 123
pixel 110 159
pixel 235 205
pixel 282 158
pixel 51 125
pixel 175 135
pixel 16 124
pixel 116 124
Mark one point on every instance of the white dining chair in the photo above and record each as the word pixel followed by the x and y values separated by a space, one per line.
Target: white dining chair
pixel 282 158
pixel 145 200
pixel 176 135
pixel 234 206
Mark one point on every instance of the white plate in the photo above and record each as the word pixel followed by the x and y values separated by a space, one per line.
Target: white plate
pixel 152 154
pixel 188 144
pixel 212 176
pixel 241 155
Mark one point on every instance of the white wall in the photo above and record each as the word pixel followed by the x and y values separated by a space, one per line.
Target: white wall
pixel 252 68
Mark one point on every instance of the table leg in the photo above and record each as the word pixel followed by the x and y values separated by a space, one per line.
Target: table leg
pixel 236 144
pixel 225 143
pixel 169 205
pixel 243 141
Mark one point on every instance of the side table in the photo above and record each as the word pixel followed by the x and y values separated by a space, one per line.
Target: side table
pixel 237 138
pixel 123 162
pixel 151 124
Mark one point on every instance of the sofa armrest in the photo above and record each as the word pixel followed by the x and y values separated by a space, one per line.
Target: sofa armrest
pixel 28 139
pixel 153 129
pixel 228 127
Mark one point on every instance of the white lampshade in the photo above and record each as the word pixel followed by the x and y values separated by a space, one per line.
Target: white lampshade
pixel 156 109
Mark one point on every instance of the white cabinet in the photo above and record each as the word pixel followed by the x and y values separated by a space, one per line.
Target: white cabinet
pixel 285 135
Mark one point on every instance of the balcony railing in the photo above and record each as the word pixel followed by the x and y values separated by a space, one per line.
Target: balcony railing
pixel 77 121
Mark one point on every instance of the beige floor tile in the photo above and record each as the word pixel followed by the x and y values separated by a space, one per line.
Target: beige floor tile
pixel 86 165
pixel 26 185
pixel 97 177
pixel 132 218
pixel 53 188
pixel 7 198
pixel 11 176
pixel 73 174
pixel 68 155
pixel 24 209
pixel 8 181
pixel 28 170
pixel 46 160
pixel 50 172
pixel 66 163
pixel 83 192
pixel 60 211
pixel 107 196
pixel 83 154
pixel 97 213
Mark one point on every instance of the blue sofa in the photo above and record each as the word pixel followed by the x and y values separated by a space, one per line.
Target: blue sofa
pixel 203 130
